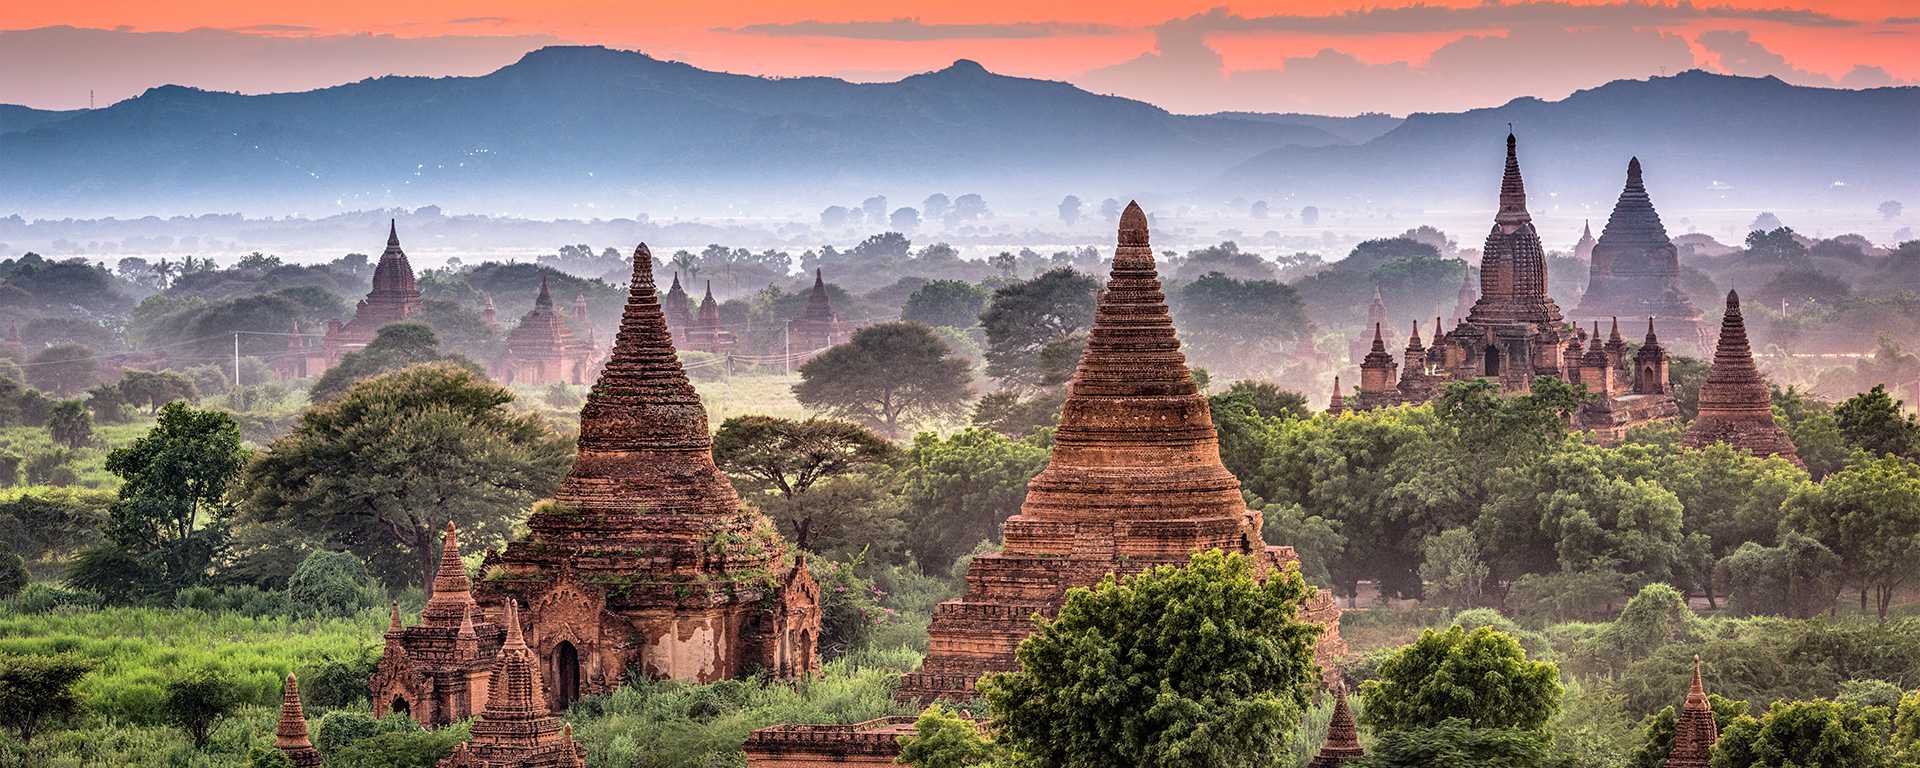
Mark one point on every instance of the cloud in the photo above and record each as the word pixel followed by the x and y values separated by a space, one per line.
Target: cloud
pixel 480 20
pixel 270 29
pixel 1493 14
pixel 1739 54
pixel 914 30
pixel 1184 73
pixel 68 64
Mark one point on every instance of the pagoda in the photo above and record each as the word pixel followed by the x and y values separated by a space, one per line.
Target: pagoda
pixel 1695 731
pixel 1343 736
pixel 304 358
pixel 1338 403
pixel 394 298
pixel 1376 319
pixel 290 735
pixel 516 729
pixel 818 326
pixel 1134 480
pixel 1583 249
pixel 436 671
pixel 708 333
pixel 1735 405
pixel 679 310
pixel 1634 268
pixel 646 562
pixel 543 349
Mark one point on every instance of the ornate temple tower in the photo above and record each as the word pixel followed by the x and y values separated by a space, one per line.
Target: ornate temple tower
pixel 679 310
pixel 646 561
pixel 1583 250
pixel 1735 406
pixel 1343 737
pixel 818 326
pixel 436 671
pixel 516 729
pixel 1635 269
pixel 290 735
pixel 1377 376
pixel 543 348
pixel 394 298
pixel 1695 732
pixel 1134 480
pixel 1650 366
pixel 1338 404
pixel 1513 331
pixel 708 333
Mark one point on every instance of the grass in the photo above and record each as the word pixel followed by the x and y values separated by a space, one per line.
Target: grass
pixel 88 464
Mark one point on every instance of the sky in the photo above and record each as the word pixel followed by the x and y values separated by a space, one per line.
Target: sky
pixel 1322 56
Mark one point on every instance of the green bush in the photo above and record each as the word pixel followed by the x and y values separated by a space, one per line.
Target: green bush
pixel 342 728
pixel 41 597
pixel 399 749
pixel 13 575
pixel 339 680
pixel 331 584
pixel 199 698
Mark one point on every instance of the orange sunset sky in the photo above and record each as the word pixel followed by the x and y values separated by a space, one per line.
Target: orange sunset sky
pixel 1330 57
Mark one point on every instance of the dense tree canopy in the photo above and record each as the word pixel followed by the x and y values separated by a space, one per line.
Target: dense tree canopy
pixel 393 347
pixel 1036 328
pixel 1482 678
pixel 779 462
pixel 888 376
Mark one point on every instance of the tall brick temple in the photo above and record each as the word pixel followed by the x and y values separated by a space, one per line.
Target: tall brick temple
pixel 436 671
pixel 1635 269
pixel 1736 407
pixel 1695 732
pixel 1514 332
pixel 818 326
pixel 545 348
pixel 395 298
pixel 646 561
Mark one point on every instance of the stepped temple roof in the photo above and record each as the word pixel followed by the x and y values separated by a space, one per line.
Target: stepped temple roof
pixel 290 735
pixel 1635 269
pixel 1513 266
pixel 1735 405
pixel 1695 732
pixel 1343 736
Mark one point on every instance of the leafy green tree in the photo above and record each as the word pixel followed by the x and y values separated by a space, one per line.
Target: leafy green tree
pixel 1797 578
pixel 36 692
pixel 1457 744
pixel 1482 678
pixel 1806 734
pixel 399 749
pixel 171 515
pixel 1010 414
pixel 393 347
pixel 13 575
pixel 951 303
pixel 265 756
pixel 70 424
pixel 1815 432
pixel 1727 499
pixel 1451 566
pixel 381 469
pixel 1036 328
pixel 958 490
pixel 1775 246
pixel 1237 327
pixel 1869 515
pixel 778 462
pixel 330 584
pixel 156 389
pixel 1655 739
pixel 1572 509
pixel 1656 617
pixel 888 376
pixel 941 738
pixel 1201 665
pixel 63 369
pixel 1872 421
pixel 197 699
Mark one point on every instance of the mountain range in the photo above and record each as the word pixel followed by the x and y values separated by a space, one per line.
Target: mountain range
pixel 593 132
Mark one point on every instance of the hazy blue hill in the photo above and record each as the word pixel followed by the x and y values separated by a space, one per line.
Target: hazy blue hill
pixel 1357 129
pixel 610 127
pixel 15 118
pixel 1707 141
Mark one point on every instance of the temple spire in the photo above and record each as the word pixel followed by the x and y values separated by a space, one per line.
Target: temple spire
pixel 393 233
pixel 290 735
pixel 544 299
pixel 1338 404
pixel 452 590
pixel 1513 191
pixel 1379 341
pixel 1343 737
pixel 1735 406
pixel 1695 731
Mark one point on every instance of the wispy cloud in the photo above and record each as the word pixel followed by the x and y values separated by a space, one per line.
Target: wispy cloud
pixel 271 29
pixel 1420 18
pixel 910 30
pixel 479 20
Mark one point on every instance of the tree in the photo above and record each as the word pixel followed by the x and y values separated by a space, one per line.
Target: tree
pixel 381 469
pixel 950 303
pixel 1456 744
pixel 1035 328
pixel 888 376
pixel 1873 421
pixel 1070 209
pixel 1197 665
pixel 1239 327
pixel 70 424
pixel 957 490
pixel 1798 578
pixel 329 584
pixel 63 369
pixel 172 510
pixel 1450 565
pixel 936 206
pixel 13 575
pixel 1482 678
pixel 394 347
pixel 781 460
pixel 1728 498
pixel 1805 734
pixel 942 738
pixel 1775 246
pixel 1869 515
pixel 36 692
pixel 197 699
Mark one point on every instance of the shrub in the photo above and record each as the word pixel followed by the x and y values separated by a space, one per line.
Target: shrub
pixel 197 699
pixel 53 467
pixel 37 692
pixel 13 575
pixel 1482 677
pixel 330 584
pixel 41 597
pixel 339 680
pixel 415 749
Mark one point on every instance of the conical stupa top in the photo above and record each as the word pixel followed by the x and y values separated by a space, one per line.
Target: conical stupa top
pixel 516 691
pixel 1652 340
pixel 1586 225
pixel 1338 403
pixel 709 309
pixel 393 618
pixel 393 233
pixel 1695 731
pixel 1732 357
pixel 1136 438
pixel 644 444
pixel 1513 190
pixel 544 299
pixel 452 590
pixel 291 732
pixel 819 307
pixel 1613 336
pixel 1413 338
pixel 676 281
pixel 393 280
pixel 1379 342
pixel 1343 736
pixel 1735 406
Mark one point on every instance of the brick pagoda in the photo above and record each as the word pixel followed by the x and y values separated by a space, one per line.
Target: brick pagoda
pixel 709 333
pixel 545 348
pixel 1635 269
pixel 1134 480
pixel 1735 406
pixel 516 729
pixel 646 561
pixel 679 310
pixel 1695 732
pixel 874 742
pixel 818 326
pixel 1343 737
pixel 305 357
pixel 394 298
pixel 436 671
pixel 290 735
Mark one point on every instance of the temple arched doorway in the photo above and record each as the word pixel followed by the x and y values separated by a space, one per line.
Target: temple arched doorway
pixel 1493 362
pixel 566 660
pixel 400 707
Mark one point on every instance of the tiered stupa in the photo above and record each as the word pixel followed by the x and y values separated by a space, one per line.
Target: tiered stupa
pixel 1635 269
pixel 818 326
pixel 516 729
pixel 1338 403
pixel 1377 320
pixel 646 562
pixel 1583 249
pixel 679 310
pixel 1134 481
pixel 304 358
pixel 290 735
pixel 1735 406
pixel 1343 736
pixel 436 671
pixel 1695 731
pixel 709 333
pixel 544 349
pixel 394 298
